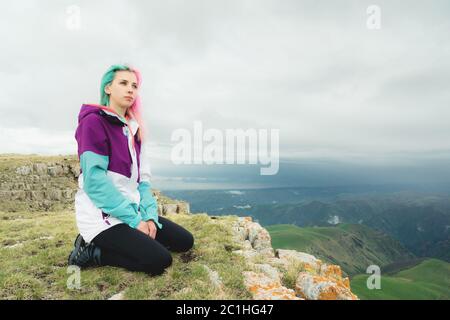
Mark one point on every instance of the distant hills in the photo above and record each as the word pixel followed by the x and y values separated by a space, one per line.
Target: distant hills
pixel 422 224
pixel 420 221
pixel 406 233
pixel 354 247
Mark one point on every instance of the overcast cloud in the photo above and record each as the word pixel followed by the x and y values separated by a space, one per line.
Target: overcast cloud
pixel 335 89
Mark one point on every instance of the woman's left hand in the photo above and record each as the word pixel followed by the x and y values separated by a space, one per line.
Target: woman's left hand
pixel 152 228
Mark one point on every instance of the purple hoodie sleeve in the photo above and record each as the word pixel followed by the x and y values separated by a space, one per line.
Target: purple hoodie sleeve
pixel 91 136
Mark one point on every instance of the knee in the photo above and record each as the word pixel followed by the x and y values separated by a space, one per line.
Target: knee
pixel 188 243
pixel 159 264
pixel 168 261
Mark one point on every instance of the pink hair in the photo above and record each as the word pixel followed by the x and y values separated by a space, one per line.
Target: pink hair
pixel 134 111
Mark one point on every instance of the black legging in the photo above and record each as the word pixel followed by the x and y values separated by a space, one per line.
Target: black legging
pixel 125 247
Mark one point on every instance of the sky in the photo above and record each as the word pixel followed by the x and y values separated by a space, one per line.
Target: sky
pixel 352 104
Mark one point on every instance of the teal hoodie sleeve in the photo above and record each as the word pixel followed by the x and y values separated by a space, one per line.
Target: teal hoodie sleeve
pixel 148 205
pixel 103 193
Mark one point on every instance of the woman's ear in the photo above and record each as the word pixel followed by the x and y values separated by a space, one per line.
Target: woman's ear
pixel 107 90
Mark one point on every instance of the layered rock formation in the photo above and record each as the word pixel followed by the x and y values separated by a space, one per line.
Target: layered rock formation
pixel 313 279
pixel 35 184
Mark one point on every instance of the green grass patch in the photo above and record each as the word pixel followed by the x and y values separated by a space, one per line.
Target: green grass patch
pixel 35 246
pixel 429 280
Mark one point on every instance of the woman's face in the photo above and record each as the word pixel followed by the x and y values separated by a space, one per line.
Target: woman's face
pixel 123 89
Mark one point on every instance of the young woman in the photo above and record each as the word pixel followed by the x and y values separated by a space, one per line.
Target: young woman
pixel 116 213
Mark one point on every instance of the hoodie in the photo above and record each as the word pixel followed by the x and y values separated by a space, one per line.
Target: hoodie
pixel 113 186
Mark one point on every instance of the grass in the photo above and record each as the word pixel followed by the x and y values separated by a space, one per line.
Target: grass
pixel 429 280
pixel 35 246
pixel 290 275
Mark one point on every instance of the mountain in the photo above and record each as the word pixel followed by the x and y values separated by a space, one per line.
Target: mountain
pixel 429 279
pixel 420 221
pixel 354 247
pixel 421 224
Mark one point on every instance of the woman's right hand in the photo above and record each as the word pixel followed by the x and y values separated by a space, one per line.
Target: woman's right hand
pixel 143 227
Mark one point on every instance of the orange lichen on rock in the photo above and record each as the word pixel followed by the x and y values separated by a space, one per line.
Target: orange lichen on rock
pixel 265 288
pixel 331 271
pixel 346 282
pixel 313 287
pixel 315 280
pixel 337 292
pixel 318 279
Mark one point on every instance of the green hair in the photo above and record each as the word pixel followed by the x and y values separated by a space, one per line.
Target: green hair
pixel 107 78
pixel 134 111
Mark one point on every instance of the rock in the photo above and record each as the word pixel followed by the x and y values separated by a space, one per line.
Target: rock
pixel 66 169
pixel 169 209
pixel 156 194
pixel 16 245
pixel 247 230
pixel 55 194
pixel 263 287
pixel 17 195
pixel 277 263
pixel 262 239
pixel 55 171
pixel 247 245
pixel 331 271
pixel 309 262
pixel 313 287
pixel 117 296
pixel 269 271
pixel 24 170
pixel 37 195
pixel 241 232
pixel 40 168
pixel 68 194
pixel 183 207
pixel 173 208
pixel 248 254
pixel 315 281
pixel 75 169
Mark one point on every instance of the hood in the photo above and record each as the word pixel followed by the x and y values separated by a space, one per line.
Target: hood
pixel 109 113
pixel 87 109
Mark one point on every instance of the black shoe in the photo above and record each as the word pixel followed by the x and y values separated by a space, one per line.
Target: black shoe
pixel 84 255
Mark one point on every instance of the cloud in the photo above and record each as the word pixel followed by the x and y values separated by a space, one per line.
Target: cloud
pixel 312 69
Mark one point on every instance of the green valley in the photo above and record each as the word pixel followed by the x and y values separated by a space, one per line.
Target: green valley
pixel 352 246
pixel 429 280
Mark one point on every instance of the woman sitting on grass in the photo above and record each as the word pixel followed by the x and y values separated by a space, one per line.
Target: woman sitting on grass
pixel 116 213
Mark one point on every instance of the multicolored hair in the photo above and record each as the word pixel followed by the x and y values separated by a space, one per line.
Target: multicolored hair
pixel 135 110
